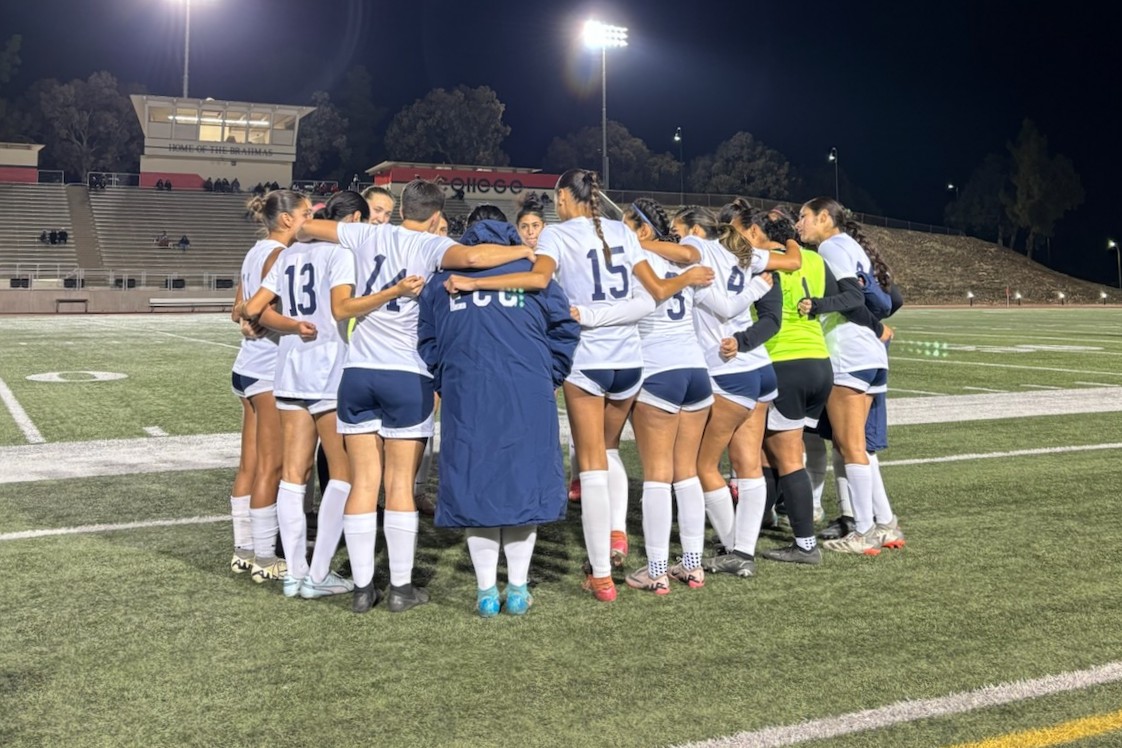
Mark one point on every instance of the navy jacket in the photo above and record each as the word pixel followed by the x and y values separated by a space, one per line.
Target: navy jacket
pixel 496 359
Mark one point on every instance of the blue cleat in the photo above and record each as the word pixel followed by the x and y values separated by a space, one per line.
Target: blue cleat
pixel 518 599
pixel 487 602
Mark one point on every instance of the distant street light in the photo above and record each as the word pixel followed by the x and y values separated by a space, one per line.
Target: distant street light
pixel 1017 297
pixel 1111 245
pixel 833 158
pixel 1063 297
pixel 951 186
pixel 970 297
pixel 601 36
pixel 682 170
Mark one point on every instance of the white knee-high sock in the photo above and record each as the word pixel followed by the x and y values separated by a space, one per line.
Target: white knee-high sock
pixel 845 502
pixel 329 527
pixel 882 508
pixel 617 490
pixel 815 447
pixel 718 507
pixel 749 513
pixel 658 516
pixel 596 519
pixel 691 520
pixel 361 532
pixel 401 545
pixel 483 547
pixel 293 527
pixel 861 492
pixel 518 547
pixel 425 469
pixel 263 526
pixel 243 532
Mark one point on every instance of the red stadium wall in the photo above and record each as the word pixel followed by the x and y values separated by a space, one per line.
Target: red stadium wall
pixel 474 183
pixel 178 181
pixel 22 174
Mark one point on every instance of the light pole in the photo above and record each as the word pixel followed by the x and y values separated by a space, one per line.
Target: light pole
pixel 1111 245
pixel 681 168
pixel 601 36
pixel 833 158
pixel 952 187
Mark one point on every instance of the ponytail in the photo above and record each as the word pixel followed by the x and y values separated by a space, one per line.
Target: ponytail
pixel 880 267
pixel 594 202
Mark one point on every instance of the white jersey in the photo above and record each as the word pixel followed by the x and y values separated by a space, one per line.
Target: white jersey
pixel 586 279
pixel 852 347
pixel 384 255
pixel 257 358
pixel 724 308
pixel 302 277
pixel 667 334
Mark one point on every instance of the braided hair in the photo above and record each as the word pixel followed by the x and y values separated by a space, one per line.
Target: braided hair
pixel 646 210
pixel 584 186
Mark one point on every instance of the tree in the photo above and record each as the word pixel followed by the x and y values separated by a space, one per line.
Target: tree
pixel 86 125
pixel 743 165
pixel 10 59
pixel 11 120
pixel 356 104
pixel 461 126
pixel 322 148
pixel 1045 187
pixel 632 165
pixel 980 207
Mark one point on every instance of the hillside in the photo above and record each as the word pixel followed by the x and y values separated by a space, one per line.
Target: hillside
pixel 941 269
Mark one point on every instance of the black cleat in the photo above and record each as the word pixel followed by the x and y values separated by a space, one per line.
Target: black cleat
pixel 407 596
pixel 793 554
pixel 365 598
pixel 839 528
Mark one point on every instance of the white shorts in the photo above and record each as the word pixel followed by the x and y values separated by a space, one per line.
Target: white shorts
pixel 315 407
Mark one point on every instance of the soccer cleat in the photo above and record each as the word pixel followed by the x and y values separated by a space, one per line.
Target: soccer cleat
pixel 487 602
pixel 793 554
pixel 332 584
pixel 270 572
pixel 839 528
pixel 865 544
pixel 890 535
pixel 518 599
pixel 291 586
pixel 365 598
pixel 619 548
pixel 406 596
pixel 641 579
pixel 242 561
pixel 730 563
pixel 425 505
pixel 574 489
pixel 602 588
pixel 695 578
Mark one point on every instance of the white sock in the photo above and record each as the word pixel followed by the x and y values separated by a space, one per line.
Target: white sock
pixel 749 513
pixel 845 503
pixel 617 491
pixel 596 519
pixel 718 507
pixel 815 447
pixel 807 544
pixel 861 492
pixel 518 547
pixel 293 528
pixel 401 544
pixel 243 533
pixel 425 469
pixel 361 532
pixel 658 516
pixel 882 509
pixel 263 526
pixel 691 520
pixel 483 547
pixel 329 528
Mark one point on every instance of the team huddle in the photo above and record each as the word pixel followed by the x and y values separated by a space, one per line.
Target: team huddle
pixel 712 333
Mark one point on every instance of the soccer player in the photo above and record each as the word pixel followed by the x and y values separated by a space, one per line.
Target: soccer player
pixel 496 358
pixel 530 220
pixel 381 203
pixel 595 260
pixel 385 407
pixel 281 213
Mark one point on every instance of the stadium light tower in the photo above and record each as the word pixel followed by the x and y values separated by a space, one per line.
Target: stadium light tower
pixel 186 44
pixel 601 36
pixel 833 158
pixel 682 162
pixel 1112 246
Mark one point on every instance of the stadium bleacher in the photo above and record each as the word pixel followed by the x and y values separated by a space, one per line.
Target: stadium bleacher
pixel 30 209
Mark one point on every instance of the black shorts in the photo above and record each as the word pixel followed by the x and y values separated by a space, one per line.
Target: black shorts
pixel 804 387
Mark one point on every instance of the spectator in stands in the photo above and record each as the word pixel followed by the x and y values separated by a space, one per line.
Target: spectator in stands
pixel 225 184
pixel 43 239
pixel 159 184
pixel 235 186
pixel 259 189
pixel 381 203
pixel 274 186
pixel 162 240
pixel 167 185
pixel 458 193
pixel 183 243
pixel 208 185
pixel 53 237
pixel 63 237
pixel 546 199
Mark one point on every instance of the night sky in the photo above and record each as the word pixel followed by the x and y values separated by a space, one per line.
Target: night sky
pixel 911 95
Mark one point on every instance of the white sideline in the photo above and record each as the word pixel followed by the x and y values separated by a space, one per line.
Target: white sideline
pixel 19 415
pixel 910 711
pixel 36 462
pixel 82 529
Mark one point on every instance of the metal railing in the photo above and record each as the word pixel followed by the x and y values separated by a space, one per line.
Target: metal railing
pixel 28 275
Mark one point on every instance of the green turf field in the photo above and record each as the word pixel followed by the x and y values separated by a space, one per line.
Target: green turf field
pixel 142 636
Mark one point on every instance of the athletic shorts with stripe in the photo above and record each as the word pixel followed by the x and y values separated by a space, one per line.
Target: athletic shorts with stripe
pixel 678 389
pixel 247 387
pixel 804 388
pixel 746 388
pixel 613 384
pixel 392 403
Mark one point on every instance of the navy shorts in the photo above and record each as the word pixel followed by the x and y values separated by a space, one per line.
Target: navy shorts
pixel 614 384
pixel 870 381
pixel 395 404
pixel 678 389
pixel 746 388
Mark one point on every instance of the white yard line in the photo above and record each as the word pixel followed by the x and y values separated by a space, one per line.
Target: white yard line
pixel 1098 384
pixel 155 431
pixel 19 415
pixel 912 711
pixel 983 389
pixel 153 331
pixel 915 392
pixel 1042 387
pixel 1029 336
pixel 83 529
pixel 1008 366
pixel 998 455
